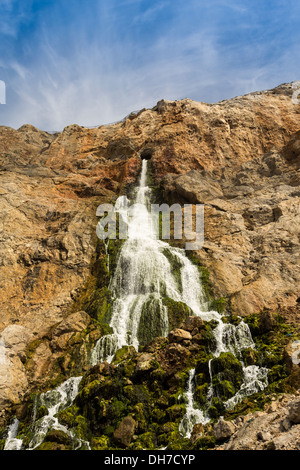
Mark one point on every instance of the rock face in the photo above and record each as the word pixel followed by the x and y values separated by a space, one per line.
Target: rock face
pixel 239 157
pixel 276 428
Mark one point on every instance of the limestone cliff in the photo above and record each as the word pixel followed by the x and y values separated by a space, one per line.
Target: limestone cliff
pixel 239 157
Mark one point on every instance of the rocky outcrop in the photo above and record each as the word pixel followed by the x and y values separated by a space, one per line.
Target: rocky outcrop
pixel 239 157
pixel 276 428
pixel 251 233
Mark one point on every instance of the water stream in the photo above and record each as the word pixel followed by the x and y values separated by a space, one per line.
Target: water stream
pixel 143 277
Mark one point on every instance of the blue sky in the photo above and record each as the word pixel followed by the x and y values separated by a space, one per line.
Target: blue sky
pixel 92 62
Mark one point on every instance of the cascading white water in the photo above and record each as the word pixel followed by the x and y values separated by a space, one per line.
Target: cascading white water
pixel 143 277
pixel 192 415
pixel 53 401
pixel 12 443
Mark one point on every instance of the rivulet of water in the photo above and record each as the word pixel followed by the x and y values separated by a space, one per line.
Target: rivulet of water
pixel 12 443
pixel 53 402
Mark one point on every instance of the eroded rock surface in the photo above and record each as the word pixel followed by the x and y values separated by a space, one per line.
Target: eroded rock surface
pixel 276 428
pixel 239 157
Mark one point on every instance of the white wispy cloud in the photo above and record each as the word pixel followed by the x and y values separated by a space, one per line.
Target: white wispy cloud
pixel 99 66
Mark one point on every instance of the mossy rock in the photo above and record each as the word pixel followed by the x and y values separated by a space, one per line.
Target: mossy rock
pixel 158 415
pixel 178 312
pixel 216 408
pixel 224 388
pixel 228 367
pixel 219 305
pixel 67 417
pixel 204 443
pixel 152 321
pixel 56 440
pixel 123 354
pixel 251 357
pixel 100 443
pixel 175 412
pixel 228 375
pixel 147 441
pixel 202 368
pixel 138 414
pixel 200 394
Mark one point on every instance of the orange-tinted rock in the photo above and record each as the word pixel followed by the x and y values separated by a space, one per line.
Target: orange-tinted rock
pixel 239 157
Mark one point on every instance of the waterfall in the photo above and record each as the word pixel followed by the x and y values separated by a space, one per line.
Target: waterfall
pixel 12 443
pixel 53 401
pixel 143 277
pixel 193 415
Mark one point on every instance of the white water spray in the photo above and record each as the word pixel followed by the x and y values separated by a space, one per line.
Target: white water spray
pixel 12 443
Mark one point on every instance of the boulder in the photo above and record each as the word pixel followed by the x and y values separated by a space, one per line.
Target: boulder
pixel 294 412
pixel 179 335
pixel 125 431
pixel 223 430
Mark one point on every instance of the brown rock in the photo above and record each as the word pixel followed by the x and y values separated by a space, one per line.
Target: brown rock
pixel 223 430
pixel 294 412
pixel 268 431
pixel 75 322
pixel 178 335
pixel 173 357
pixel 125 432
pixel 144 363
pixel 193 323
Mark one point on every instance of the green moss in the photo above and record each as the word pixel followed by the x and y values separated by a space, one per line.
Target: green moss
pixel 151 324
pixel 251 357
pixel 158 415
pixel 174 441
pixel 145 441
pixel 216 408
pixel 175 412
pixel 227 375
pixel 204 443
pixel 178 312
pixel 122 354
pixel 42 411
pixel 67 417
pixel 137 413
pixel 100 443
pixel 56 440
pixel 200 394
pixel 219 305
